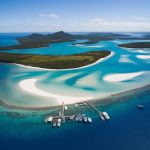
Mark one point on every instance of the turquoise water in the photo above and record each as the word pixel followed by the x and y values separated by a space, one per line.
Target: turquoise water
pixel 128 128
pixel 73 84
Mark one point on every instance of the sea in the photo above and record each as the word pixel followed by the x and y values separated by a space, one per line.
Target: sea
pixel 129 126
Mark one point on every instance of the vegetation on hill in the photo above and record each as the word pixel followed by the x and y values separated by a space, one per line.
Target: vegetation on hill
pixel 136 45
pixel 55 62
pixel 36 40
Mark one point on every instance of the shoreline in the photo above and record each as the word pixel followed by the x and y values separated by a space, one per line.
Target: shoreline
pixel 108 99
pixel 89 65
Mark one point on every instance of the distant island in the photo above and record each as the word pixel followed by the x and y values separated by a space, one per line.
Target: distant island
pixel 136 45
pixel 55 62
pixel 36 40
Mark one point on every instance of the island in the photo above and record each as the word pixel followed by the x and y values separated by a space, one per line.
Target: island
pixel 55 62
pixel 136 45
pixel 37 40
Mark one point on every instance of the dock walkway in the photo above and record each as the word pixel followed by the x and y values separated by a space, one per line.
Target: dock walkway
pixel 94 108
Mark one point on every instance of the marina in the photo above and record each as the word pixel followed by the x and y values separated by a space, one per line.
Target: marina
pixel 57 121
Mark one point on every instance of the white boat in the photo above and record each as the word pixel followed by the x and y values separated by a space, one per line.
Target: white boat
pixel 54 122
pixel 85 119
pixel 46 120
pixel 49 119
pixel 76 105
pixel 63 119
pixel 101 116
pixel 59 122
pixel 89 120
pixel 65 108
pixel 140 106
pixel 106 116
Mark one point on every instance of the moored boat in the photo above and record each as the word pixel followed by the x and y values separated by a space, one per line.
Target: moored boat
pixel 102 117
pixel 85 119
pixel 89 120
pixel 105 115
pixel 59 122
pixel 140 106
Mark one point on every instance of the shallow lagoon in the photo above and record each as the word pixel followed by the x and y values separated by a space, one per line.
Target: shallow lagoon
pixel 128 128
pixel 75 84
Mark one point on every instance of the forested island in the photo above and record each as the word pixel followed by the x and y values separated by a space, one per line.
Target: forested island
pixel 37 40
pixel 55 62
pixel 136 45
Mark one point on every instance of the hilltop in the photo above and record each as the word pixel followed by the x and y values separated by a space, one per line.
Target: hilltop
pixel 36 40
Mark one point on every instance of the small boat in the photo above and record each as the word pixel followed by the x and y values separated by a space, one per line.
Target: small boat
pixel 140 106
pixel 80 118
pixel 63 119
pixel 105 115
pixel 46 120
pixel 76 105
pixel 59 122
pixel 76 118
pixel 54 122
pixel 72 117
pixel 65 108
pixel 89 120
pixel 49 119
pixel 102 118
pixel 85 119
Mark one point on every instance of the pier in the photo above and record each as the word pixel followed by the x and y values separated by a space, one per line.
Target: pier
pixel 61 118
pixel 103 115
pixel 94 108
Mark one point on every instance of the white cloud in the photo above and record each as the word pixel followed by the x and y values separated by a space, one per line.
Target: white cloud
pixel 100 24
pixel 97 20
pixel 55 16
pixel 140 19
pixel 95 24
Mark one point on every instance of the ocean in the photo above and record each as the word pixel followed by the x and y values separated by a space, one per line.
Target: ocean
pixel 128 128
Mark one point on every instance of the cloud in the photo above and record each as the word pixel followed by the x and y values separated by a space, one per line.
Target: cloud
pixel 100 24
pixel 140 19
pixel 103 22
pixel 55 16
pixel 95 24
pixel 97 20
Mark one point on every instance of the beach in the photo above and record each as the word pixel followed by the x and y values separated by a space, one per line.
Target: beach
pixel 100 60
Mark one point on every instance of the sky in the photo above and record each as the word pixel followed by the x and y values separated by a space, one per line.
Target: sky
pixel 74 15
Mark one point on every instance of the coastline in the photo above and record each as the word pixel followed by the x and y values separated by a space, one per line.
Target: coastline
pixel 100 60
pixel 109 99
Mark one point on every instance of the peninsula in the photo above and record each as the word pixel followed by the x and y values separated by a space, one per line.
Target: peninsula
pixel 55 62
pixel 136 45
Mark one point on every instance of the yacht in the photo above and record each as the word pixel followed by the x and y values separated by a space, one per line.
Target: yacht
pixel 105 115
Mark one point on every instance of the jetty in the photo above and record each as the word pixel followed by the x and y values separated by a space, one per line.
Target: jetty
pixel 103 115
pixel 61 118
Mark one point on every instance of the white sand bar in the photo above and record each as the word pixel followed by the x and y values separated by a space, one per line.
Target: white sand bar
pixel 29 85
pixel 125 59
pixel 143 56
pixel 89 80
pixel 121 77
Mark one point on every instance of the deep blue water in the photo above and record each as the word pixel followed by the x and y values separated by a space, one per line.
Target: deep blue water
pixel 128 129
